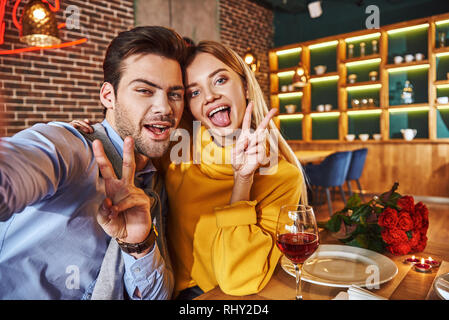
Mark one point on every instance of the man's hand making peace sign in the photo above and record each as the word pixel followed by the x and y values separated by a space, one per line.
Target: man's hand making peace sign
pixel 125 213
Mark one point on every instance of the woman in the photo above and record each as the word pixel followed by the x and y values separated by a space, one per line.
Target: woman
pixel 223 214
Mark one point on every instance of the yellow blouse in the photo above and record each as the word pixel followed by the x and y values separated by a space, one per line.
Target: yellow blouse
pixel 213 243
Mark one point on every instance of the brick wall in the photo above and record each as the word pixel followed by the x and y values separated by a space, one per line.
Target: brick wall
pixel 60 84
pixel 243 24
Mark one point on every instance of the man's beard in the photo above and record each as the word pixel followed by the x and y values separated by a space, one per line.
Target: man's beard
pixel 147 147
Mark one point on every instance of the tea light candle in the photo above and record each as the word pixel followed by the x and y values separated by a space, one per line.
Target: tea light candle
pixel 411 260
pixel 432 262
pixel 422 267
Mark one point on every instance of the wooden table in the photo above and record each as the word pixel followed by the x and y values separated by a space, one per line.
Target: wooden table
pixel 407 285
pixel 305 156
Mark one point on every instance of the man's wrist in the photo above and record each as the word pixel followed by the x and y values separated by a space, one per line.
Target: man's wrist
pixel 141 249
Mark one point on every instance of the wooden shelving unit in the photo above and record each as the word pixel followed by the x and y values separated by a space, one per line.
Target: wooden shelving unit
pixel 389 114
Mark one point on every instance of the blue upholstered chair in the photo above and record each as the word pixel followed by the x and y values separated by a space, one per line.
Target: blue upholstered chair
pixel 331 172
pixel 356 169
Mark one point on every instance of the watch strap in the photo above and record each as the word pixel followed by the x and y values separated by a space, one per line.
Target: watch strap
pixel 139 247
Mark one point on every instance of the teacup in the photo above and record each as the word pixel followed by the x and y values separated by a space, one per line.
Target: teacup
pixel 320 107
pixel 364 136
pixel 377 136
pixel 350 137
pixel 320 69
pixel 290 108
pixel 328 107
pixel 398 59
pixel 419 56
pixel 409 134
pixel 409 57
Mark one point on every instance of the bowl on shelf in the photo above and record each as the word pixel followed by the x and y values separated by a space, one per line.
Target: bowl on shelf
pixel 328 107
pixel 377 136
pixel 350 137
pixel 320 108
pixel 398 59
pixel 355 103
pixel 290 108
pixel 443 100
pixel 409 57
pixel 320 69
pixel 364 136
pixel 284 88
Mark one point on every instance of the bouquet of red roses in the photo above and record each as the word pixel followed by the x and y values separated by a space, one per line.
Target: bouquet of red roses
pixel 389 222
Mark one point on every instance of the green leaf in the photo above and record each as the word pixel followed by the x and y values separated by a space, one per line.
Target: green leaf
pixel 354 201
pixel 361 213
pixel 334 223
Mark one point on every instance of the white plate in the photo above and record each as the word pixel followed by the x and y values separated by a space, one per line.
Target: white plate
pixel 443 294
pixel 343 266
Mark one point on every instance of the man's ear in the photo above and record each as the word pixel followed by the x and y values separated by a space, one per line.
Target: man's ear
pixel 107 95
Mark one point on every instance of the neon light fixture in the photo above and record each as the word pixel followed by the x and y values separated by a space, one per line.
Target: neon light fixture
pixel 323 45
pixel 324 114
pixel 288 51
pixel 285 74
pixel 364 87
pixel 408 109
pixel 439 23
pixel 363 112
pixel 409 68
pixel 290 116
pixel 290 95
pixel 407 29
pixel 363 62
pixel 322 79
pixel 442 54
pixel 364 37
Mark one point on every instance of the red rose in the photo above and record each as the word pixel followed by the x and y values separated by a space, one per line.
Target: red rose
pixel 399 249
pixel 405 222
pixel 422 211
pixel 394 236
pixel 407 203
pixel 416 236
pixel 388 218
pixel 421 244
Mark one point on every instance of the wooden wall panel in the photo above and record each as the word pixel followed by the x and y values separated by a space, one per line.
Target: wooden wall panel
pixel 422 169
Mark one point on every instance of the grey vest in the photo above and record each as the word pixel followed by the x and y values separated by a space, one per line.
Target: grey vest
pixel 110 284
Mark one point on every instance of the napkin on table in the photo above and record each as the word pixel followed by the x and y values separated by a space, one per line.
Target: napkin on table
pixel 357 293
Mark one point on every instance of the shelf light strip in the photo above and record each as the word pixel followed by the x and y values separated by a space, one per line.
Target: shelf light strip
pixel 442 86
pixel 411 109
pixel 290 116
pixel 442 54
pixel 359 63
pixel 326 114
pixel 364 87
pixel 290 94
pixel 443 107
pixel 323 45
pixel 288 51
pixel 409 68
pixel 364 112
pixel 285 73
pixel 365 37
pixel 438 23
pixel 417 27
pixel 322 79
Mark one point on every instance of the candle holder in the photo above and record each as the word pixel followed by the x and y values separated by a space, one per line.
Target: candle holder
pixel 422 267
pixel 411 260
pixel 433 263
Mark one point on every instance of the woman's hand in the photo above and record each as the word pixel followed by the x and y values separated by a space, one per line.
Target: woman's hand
pixel 249 153
pixel 125 213
pixel 83 125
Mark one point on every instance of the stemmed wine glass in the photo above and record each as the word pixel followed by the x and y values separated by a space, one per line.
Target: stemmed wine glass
pixel 297 237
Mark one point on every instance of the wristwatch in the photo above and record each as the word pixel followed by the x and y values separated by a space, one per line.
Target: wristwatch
pixel 139 247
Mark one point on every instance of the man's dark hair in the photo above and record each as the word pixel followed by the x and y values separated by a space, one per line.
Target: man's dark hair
pixel 141 40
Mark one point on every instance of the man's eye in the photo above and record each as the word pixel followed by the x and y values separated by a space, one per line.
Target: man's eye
pixel 175 95
pixel 144 91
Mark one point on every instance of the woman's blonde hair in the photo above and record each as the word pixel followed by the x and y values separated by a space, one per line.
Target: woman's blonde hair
pixel 255 94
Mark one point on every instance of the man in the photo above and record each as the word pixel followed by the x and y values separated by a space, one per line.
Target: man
pixel 61 219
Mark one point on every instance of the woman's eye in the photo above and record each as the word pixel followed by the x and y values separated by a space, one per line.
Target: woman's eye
pixel 220 80
pixel 194 93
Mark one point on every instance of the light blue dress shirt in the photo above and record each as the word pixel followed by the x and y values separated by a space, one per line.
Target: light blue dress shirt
pixel 51 246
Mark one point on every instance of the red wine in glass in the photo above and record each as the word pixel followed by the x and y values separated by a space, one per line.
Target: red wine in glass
pixel 297 247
